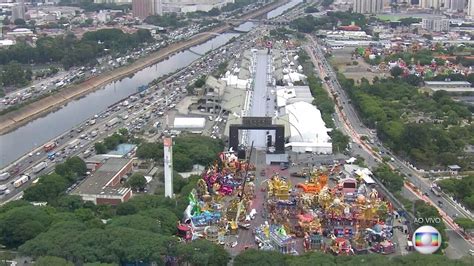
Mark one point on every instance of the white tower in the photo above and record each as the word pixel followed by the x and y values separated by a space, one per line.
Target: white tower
pixel 168 166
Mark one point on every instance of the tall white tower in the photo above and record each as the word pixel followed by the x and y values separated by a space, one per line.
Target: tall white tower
pixel 168 166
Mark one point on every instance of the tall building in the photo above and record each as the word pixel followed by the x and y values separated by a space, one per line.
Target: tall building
pixel 143 8
pixel 470 8
pixel 455 5
pixel 435 24
pixel 433 4
pixel 368 6
pixel 18 11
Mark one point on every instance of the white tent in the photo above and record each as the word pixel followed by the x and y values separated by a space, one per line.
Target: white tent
pixel 189 122
pixel 308 132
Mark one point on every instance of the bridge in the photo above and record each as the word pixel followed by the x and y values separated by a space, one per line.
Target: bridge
pixel 264 21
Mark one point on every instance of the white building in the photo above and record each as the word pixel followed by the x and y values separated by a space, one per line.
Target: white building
pixel 435 24
pixel 368 6
pixel 185 6
pixel 308 132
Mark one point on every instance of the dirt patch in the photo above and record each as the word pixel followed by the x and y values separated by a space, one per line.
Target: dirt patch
pixel 343 60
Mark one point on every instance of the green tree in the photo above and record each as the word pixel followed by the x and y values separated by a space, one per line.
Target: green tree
pixel 253 257
pixel 20 224
pixel 137 182
pixel 52 261
pixel 48 188
pixel 203 252
pixel 19 22
pixel 339 141
pixel 465 223
pixel 396 71
pixel 100 148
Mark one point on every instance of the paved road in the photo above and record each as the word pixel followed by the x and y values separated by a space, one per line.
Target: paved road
pixel 260 105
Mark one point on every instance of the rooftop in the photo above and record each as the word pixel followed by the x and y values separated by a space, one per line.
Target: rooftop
pixel 96 183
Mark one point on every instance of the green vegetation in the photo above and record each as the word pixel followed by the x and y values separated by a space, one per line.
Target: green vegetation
pixel 339 141
pixel 110 143
pixel 200 82
pixel 409 21
pixel 221 69
pixel 321 99
pixel 253 257
pixel 327 3
pixel 465 223
pixel 69 51
pixel 310 23
pixel 15 74
pixel 90 6
pixel 461 189
pixel 423 56
pixel 70 231
pixel 312 9
pixel 136 182
pixel 187 151
pixel 391 180
pixel 50 187
pixel 428 130
pixel 166 21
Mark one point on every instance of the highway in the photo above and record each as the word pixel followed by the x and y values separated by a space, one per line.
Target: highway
pixel 158 101
pixel 355 129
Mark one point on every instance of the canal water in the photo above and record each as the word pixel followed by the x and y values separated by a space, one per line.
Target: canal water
pixel 28 137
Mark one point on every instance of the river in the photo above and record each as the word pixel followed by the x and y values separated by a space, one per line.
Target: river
pixel 39 131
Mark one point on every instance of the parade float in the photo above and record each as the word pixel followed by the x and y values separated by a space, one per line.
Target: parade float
pixel 343 218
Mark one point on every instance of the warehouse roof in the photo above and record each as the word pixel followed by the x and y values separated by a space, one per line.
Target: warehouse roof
pixel 189 122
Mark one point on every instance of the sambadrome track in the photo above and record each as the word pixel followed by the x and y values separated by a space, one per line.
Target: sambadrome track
pixel 15 119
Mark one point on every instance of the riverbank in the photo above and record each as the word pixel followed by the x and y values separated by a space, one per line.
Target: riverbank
pixel 15 119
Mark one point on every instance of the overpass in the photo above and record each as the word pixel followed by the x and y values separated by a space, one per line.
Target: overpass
pixel 235 22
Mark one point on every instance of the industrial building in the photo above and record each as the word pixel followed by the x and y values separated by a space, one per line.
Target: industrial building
pixel 104 186
pixel 449 86
pixel 190 124
pixel 307 130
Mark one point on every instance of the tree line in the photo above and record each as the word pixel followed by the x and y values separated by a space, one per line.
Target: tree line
pixel 52 186
pixel 460 189
pixel 253 257
pixel 187 151
pixel 70 51
pixel 427 130
pixel 309 23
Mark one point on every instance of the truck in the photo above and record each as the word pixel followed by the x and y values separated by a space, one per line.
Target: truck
pixel 87 153
pixel 73 143
pixel 4 176
pixel 20 181
pixel 436 191
pixel 112 122
pixel 92 122
pixel 49 146
pixel 93 134
pixel 39 167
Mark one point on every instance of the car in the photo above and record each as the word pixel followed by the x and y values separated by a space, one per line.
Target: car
pixel 262 172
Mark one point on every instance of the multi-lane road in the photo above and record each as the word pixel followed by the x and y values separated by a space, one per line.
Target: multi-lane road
pixel 157 102
pixel 350 122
